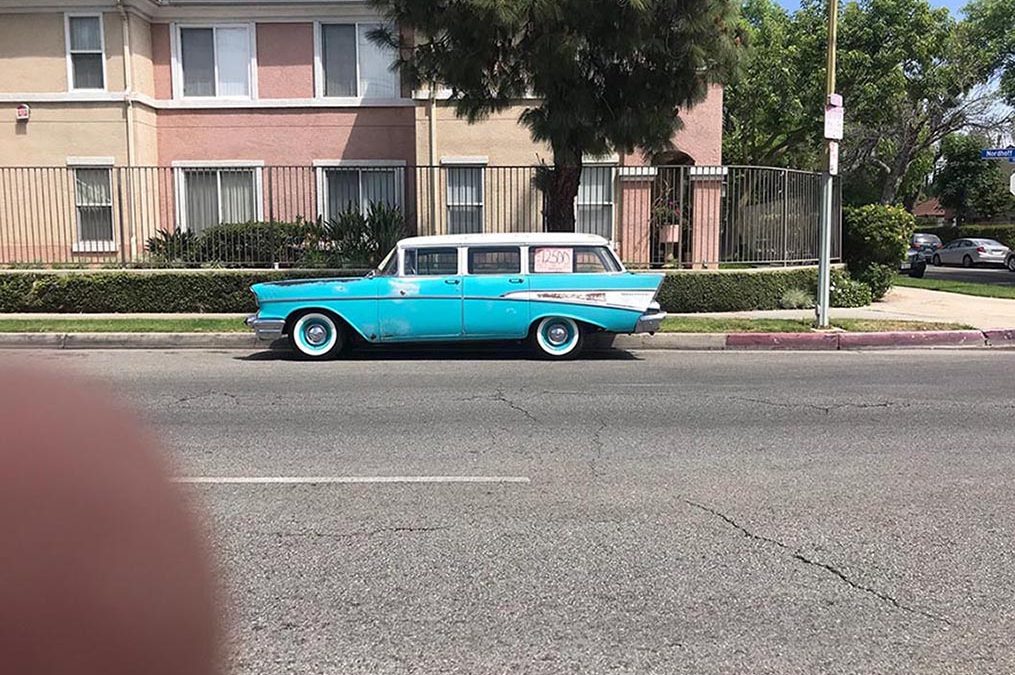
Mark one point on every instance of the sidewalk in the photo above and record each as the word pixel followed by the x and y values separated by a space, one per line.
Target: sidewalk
pixel 909 304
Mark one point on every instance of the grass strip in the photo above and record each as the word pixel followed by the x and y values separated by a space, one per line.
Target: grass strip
pixel 122 326
pixel 964 287
pixel 715 325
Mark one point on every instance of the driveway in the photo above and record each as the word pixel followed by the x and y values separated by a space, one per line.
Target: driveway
pixel 997 276
pixel 906 304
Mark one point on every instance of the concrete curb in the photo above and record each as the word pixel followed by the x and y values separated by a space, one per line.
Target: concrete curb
pixel 1001 338
pixel 129 341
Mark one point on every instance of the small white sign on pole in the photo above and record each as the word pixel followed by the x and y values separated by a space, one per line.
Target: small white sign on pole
pixel 1011 183
pixel 833 158
pixel 834 115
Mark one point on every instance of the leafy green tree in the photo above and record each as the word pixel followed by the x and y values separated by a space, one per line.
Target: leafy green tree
pixel 908 83
pixel 907 72
pixel 989 30
pixel 773 103
pixel 972 187
pixel 609 75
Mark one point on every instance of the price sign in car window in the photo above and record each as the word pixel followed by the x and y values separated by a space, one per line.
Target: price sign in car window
pixel 549 260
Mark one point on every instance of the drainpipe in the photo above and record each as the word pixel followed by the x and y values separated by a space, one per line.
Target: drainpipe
pixel 432 124
pixel 128 81
pixel 128 103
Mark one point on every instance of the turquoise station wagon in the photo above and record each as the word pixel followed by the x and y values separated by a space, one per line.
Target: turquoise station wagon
pixel 551 289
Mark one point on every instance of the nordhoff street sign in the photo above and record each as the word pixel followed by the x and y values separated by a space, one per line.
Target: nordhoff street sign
pixel 997 153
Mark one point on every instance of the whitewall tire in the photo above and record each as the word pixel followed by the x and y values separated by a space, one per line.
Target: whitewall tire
pixel 557 337
pixel 316 335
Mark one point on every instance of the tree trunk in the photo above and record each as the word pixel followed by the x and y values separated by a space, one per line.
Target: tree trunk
pixel 563 190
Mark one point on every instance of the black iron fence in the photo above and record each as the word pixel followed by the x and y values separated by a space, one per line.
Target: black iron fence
pixel 344 213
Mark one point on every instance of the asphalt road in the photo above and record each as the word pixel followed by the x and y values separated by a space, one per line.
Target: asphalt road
pixel 997 276
pixel 685 512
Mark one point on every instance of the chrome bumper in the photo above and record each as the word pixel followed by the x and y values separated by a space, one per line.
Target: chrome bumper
pixel 265 329
pixel 651 320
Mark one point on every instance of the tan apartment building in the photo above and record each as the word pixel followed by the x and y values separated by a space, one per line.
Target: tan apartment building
pixel 183 114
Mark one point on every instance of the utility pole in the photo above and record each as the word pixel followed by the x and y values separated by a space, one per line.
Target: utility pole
pixel 833 134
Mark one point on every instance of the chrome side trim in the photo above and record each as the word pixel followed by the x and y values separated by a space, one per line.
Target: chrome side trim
pixel 265 329
pixel 651 320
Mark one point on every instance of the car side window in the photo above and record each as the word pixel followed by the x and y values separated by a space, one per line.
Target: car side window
pixel 495 260
pixel 431 262
pixel 575 259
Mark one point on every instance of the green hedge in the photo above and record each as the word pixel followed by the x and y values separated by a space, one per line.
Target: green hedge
pixel 228 291
pixel 732 291
pixel 212 291
pixel 1002 233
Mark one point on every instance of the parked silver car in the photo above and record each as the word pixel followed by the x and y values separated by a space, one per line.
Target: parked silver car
pixel 969 252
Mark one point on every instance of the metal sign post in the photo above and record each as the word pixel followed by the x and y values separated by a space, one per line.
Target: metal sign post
pixel 833 134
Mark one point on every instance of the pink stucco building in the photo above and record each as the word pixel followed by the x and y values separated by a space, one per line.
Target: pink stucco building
pixel 218 93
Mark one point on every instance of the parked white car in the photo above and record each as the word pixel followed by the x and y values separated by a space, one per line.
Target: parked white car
pixel 969 252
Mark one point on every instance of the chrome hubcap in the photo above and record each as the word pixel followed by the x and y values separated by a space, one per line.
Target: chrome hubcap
pixel 557 334
pixel 316 335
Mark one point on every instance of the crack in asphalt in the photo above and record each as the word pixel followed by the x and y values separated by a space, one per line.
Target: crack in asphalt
pixel 405 529
pixel 831 569
pixel 500 397
pixel 597 447
pixel 827 409
pixel 206 394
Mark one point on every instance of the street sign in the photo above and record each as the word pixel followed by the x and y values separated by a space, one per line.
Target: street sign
pixel 997 153
pixel 834 117
pixel 833 158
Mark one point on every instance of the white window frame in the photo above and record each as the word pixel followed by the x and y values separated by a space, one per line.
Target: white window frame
pixel 322 165
pixel 176 51
pixel 69 53
pixel 478 163
pixel 602 164
pixel 82 245
pixel 319 78
pixel 180 185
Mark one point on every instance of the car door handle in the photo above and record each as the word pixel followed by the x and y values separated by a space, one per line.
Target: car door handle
pixel 515 281
pixel 452 282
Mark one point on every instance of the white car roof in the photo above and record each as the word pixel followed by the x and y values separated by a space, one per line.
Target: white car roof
pixel 506 239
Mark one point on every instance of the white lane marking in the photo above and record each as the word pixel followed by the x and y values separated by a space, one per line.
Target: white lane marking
pixel 301 480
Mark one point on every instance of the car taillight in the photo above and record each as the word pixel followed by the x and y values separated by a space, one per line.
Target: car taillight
pixel 980 249
pixel 939 245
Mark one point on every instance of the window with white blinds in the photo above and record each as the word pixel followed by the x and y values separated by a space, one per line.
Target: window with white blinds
pixel 93 202
pixel 85 54
pixel 359 188
pixel 215 61
pixel 594 214
pixel 214 196
pixel 465 199
pixel 350 64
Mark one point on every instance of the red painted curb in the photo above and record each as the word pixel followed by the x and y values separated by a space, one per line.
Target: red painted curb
pixel 1001 337
pixel 931 338
pixel 782 341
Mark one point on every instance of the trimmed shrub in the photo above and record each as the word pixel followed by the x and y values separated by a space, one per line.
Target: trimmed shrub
pixel 731 291
pixel 229 291
pixel 796 298
pixel 874 244
pixel 211 291
pixel 846 292
pixel 240 243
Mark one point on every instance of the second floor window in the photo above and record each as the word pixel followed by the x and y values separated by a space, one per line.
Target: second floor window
pixel 84 51
pixel 215 61
pixel 352 65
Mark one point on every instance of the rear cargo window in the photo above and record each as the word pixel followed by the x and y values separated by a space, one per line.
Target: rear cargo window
pixel 571 259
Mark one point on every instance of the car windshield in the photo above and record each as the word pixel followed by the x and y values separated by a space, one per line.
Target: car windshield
pixel 926 239
pixel 389 266
pixel 988 242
